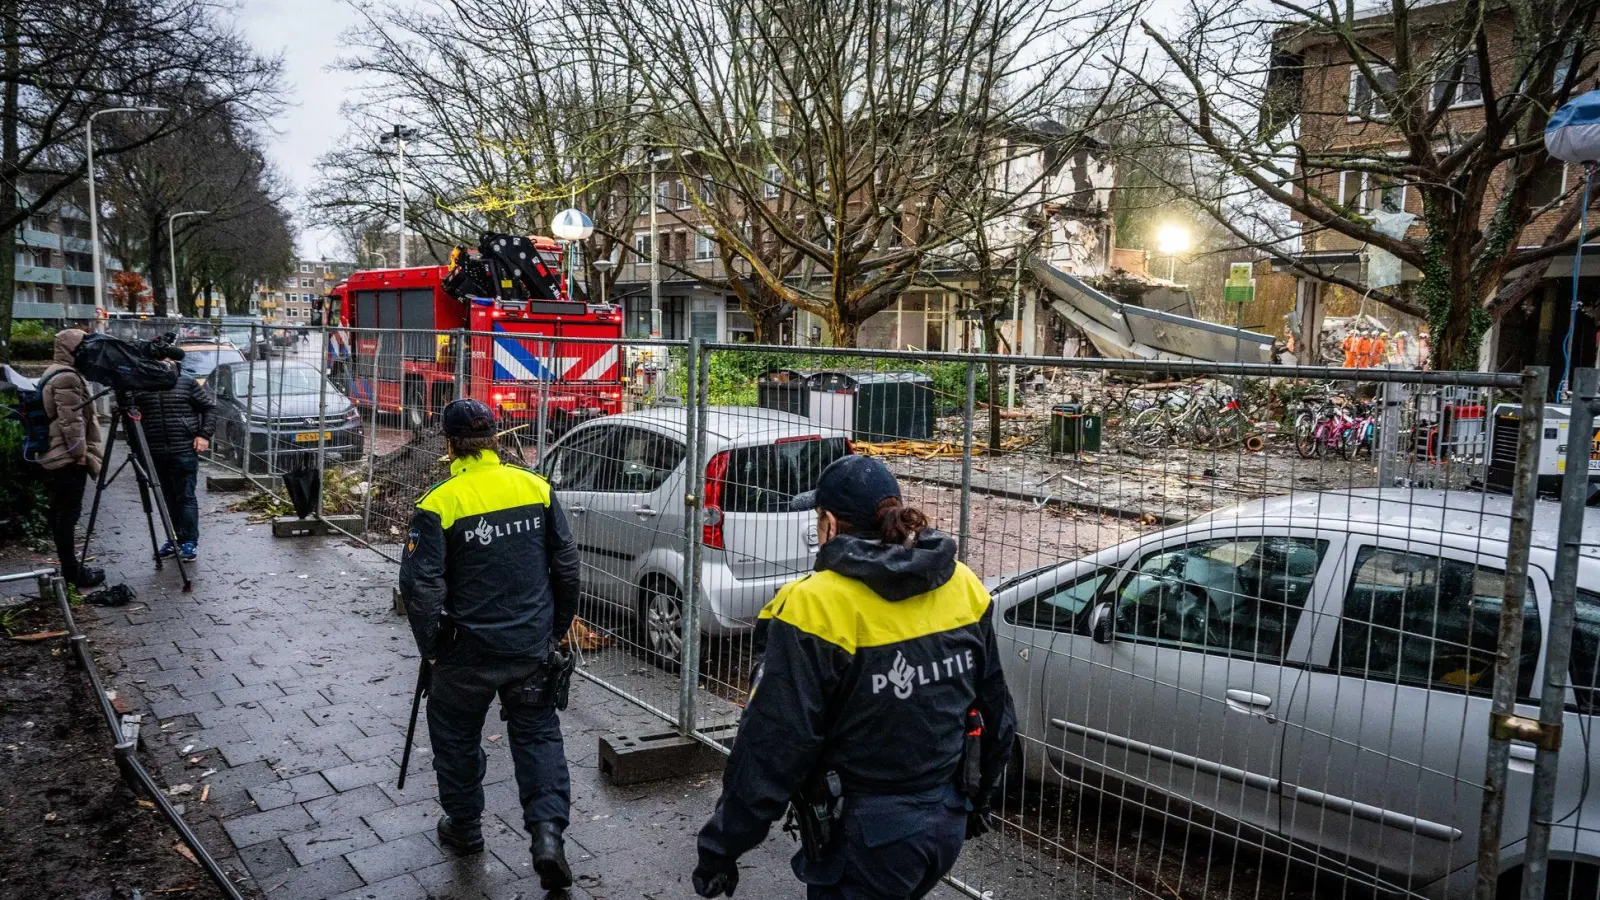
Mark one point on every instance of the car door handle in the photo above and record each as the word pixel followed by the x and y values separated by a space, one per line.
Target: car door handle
pixel 644 512
pixel 1248 702
pixel 577 508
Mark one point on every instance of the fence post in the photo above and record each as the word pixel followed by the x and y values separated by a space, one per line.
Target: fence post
pixel 1558 652
pixel 463 352
pixel 694 487
pixel 372 405
pixel 322 420
pixel 1393 398
pixel 964 529
pixel 1503 712
pixel 249 399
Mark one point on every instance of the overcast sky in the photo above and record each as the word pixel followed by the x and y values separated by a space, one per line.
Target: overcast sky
pixel 307 33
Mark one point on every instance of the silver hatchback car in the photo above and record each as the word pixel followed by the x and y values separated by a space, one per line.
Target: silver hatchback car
pixel 621 480
pixel 1314 669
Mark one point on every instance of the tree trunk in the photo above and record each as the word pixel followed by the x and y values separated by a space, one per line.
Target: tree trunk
pixel 156 266
pixel 845 332
pixel 10 153
pixel 204 309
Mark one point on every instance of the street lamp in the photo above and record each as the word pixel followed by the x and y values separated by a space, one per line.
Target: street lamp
pixel 172 247
pixel 399 135
pixel 94 206
pixel 572 226
pixel 655 250
pixel 1172 239
pixel 603 265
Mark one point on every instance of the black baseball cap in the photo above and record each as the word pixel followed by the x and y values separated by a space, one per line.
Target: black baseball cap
pixel 466 418
pixel 851 488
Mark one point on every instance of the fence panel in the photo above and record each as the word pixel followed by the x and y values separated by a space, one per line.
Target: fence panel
pixel 1249 617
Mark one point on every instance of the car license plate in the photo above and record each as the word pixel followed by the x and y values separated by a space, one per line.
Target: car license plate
pixel 513 405
pixel 310 437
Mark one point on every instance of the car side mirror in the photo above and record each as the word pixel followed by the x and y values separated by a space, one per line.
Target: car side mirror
pixel 1100 623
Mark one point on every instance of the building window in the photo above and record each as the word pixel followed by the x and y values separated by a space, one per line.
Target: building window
pixel 1366 103
pixel 641 245
pixel 305 267
pixel 1547 184
pixel 664 193
pixel 1461 79
pixel 702 245
pixel 774 178
pixel 682 193
pixel 1367 193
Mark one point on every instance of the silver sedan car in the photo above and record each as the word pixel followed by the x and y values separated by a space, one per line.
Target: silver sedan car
pixel 1313 671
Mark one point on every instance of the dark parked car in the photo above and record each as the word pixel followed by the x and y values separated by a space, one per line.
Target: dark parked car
pixel 274 405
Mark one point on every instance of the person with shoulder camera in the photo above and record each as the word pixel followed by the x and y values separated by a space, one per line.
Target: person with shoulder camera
pixel 879 710
pixel 490 581
pixel 73 456
pixel 178 425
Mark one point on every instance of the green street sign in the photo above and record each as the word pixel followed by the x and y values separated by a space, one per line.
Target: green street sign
pixel 1234 293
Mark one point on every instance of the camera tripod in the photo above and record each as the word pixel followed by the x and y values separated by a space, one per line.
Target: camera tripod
pixel 125 416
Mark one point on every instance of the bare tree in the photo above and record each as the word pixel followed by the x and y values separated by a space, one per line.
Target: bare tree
pixel 215 166
pixel 511 128
pixel 822 132
pixel 63 60
pixel 1418 107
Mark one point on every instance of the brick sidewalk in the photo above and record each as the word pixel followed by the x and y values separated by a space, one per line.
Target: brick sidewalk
pixel 283 683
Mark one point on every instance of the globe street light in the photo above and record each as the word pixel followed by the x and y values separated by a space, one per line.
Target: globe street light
pixel 172 248
pixel 1172 239
pixel 399 135
pixel 571 226
pixel 94 206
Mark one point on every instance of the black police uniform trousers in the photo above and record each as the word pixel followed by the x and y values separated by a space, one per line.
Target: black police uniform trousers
pixel 891 847
pixel 463 688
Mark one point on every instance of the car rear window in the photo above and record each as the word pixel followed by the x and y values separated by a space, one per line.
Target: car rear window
pixel 763 479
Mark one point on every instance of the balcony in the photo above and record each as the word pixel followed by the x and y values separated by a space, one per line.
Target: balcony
pixel 73 276
pixel 33 238
pixel 38 275
pixel 76 244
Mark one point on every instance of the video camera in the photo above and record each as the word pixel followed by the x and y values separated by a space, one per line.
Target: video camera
pixel 129 365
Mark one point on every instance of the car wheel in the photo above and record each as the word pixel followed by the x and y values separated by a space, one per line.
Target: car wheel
pixel 660 631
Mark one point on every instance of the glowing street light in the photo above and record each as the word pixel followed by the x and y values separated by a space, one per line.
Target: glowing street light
pixel 1172 239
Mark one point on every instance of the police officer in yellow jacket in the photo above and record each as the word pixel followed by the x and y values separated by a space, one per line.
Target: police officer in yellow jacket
pixel 876 670
pixel 490 580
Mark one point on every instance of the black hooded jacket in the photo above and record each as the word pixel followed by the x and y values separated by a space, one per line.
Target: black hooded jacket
pixel 871 664
pixel 173 418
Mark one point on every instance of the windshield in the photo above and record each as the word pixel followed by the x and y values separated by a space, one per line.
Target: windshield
pixel 285 381
pixel 200 363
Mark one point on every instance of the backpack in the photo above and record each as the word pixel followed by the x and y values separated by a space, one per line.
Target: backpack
pixel 35 420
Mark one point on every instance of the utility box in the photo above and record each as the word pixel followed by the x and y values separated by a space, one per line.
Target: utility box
pixel 1072 430
pixel 786 390
pixel 871 406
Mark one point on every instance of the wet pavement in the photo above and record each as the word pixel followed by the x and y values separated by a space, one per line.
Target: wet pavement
pixel 278 691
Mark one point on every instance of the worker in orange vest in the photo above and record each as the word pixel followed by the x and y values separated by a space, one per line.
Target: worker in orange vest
pixel 1380 349
pixel 1349 350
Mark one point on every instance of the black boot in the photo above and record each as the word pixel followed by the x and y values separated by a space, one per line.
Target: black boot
pixel 550 856
pixel 462 837
pixel 90 577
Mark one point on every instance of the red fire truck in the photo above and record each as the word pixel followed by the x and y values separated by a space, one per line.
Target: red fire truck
pixel 510 300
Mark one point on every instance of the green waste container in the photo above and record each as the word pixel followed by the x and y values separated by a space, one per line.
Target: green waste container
pixel 1072 430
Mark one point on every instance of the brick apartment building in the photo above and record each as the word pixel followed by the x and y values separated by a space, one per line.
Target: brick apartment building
pixel 55 264
pixel 1338 112
pixel 291 299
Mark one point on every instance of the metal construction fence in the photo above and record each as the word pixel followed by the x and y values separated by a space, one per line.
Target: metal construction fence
pixel 1250 616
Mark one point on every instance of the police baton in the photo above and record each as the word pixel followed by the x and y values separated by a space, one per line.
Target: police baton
pixel 424 679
